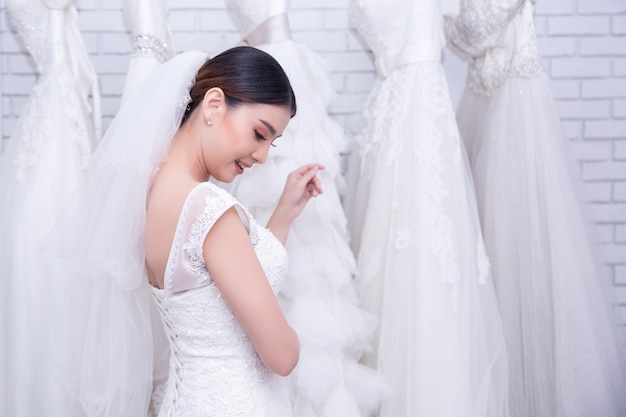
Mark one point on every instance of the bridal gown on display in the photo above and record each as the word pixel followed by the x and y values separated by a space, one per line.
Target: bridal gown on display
pixel 564 359
pixel 41 164
pixel 318 298
pixel 421 265
pixel 151 37
pixel 151 46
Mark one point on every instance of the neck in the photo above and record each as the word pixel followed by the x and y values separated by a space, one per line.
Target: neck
pixel 185 155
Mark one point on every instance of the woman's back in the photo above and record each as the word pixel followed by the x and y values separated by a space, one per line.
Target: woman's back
pixel 214 368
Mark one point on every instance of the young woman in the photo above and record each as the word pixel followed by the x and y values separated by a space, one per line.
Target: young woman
pixel 149 226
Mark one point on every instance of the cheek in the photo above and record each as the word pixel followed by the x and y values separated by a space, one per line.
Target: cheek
pixel 235 134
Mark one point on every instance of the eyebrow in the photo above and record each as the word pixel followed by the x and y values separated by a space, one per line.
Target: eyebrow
pixel 269 126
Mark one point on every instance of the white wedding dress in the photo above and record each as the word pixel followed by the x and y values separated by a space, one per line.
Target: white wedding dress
pixel 318 298
pixel 152 39
pixel 152 45
pixel 421 265
pixel 214 369
pixel 40 166
pixel 563 355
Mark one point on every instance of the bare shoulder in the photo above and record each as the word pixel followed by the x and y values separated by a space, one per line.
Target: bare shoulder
pixel 164 204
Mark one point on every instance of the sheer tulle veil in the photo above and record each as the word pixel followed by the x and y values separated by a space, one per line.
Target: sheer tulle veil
pixel 109 323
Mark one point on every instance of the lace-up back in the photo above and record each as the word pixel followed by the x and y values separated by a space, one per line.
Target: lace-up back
pixel 214 369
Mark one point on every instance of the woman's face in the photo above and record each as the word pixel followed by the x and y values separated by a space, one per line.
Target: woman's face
pixel 243 137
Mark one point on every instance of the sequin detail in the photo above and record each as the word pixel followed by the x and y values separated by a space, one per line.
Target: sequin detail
pixel 500 45
pixel 148 46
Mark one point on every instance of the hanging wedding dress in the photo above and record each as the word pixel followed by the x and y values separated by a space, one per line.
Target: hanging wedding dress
pixel 318 297
pixel 563 354
pixel 152 45
pixel 41 164
pixel 152 39
pixel 421 265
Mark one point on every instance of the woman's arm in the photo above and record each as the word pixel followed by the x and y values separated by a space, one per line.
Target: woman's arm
pixel 237 273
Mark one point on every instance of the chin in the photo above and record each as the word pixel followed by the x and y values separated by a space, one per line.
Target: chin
pixel 225 178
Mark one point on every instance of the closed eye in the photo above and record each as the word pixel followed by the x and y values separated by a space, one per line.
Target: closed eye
pixel 259 136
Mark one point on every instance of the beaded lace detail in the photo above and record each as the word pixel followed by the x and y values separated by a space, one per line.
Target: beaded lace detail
pixel 500 38
pixel 214 369
pixel 149 46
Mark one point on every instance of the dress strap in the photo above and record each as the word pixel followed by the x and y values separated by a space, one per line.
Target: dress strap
pixel 204 205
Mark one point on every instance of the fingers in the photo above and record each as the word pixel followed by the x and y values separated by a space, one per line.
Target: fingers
pixel 316 185
pixel 314 189
pixel 304 169
pixel 306 172
pixel 309 179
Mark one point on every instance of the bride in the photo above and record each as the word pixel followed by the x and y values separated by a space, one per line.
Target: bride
pixel 147 225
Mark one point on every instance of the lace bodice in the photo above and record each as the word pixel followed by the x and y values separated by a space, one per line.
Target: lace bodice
pixel 399 32
pixel 499 37
pixel 214 369
pixel 50 33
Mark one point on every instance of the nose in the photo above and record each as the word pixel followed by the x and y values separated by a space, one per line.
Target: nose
pixel 260 155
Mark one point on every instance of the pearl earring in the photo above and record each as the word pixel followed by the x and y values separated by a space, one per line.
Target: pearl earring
pixel 209 122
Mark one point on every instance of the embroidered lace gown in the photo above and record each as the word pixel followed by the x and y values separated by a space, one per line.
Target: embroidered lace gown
pixel 421 265
pixel 318 298
pixel 563 355
pixel 214 369
pixel 41 164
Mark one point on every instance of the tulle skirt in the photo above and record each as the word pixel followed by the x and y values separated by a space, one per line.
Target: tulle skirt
pixel 421 265
pixel 38 170
pixel 560 333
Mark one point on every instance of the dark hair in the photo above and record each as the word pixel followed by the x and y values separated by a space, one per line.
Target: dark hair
pixel 246 75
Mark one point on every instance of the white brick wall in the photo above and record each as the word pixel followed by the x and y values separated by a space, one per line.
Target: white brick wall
pixel 583 43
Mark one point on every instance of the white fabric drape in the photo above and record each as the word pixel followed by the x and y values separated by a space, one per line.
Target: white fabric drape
pixel 421 265
pixel 151 39
pixel 42 163
pixel 109 320
pixel 561 335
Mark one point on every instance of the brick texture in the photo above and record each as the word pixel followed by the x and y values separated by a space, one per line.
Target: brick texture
pixel 583 44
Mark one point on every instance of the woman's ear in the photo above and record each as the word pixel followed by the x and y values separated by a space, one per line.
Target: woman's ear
pixel 213 104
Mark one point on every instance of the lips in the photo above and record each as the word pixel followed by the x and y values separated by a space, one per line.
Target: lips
pixel 241 165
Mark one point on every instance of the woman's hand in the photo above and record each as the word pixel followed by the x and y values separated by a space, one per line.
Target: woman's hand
pixel 301 185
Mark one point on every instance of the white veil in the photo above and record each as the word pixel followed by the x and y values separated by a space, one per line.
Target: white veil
pixel 109 314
